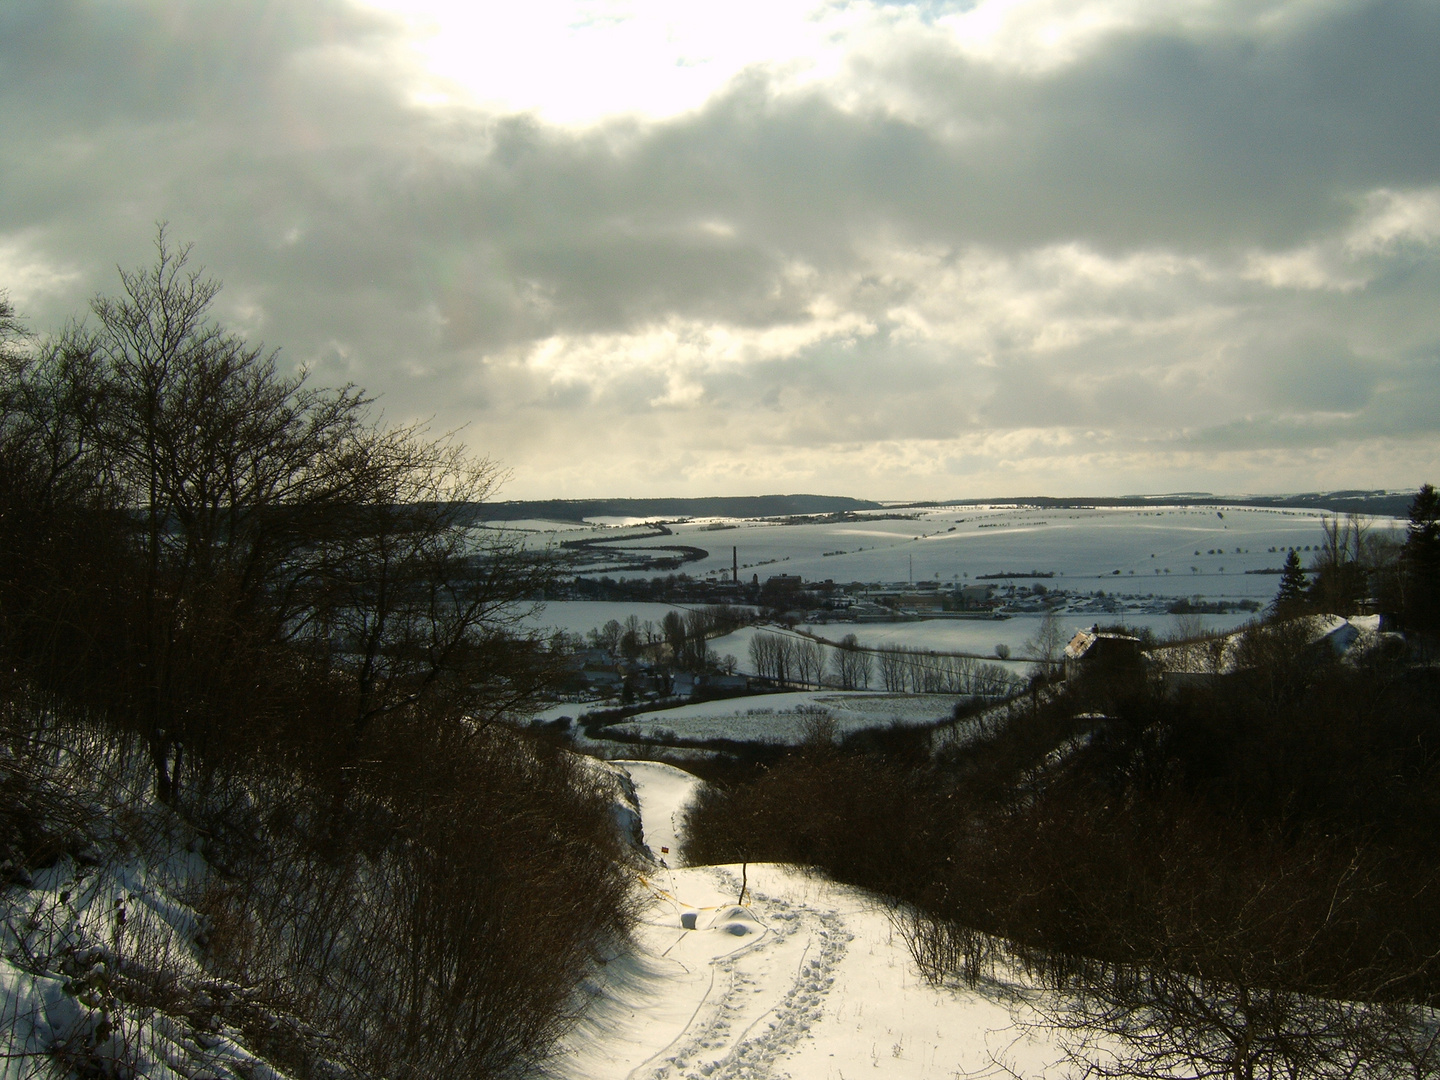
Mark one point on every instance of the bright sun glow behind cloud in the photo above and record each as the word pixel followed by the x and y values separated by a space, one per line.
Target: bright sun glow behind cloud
pixel 575 62
pixel 634 246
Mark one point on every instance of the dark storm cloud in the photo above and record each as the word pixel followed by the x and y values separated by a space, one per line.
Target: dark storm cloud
pixel 1003 251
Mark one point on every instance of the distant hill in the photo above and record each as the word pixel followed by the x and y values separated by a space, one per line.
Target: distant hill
pixel 745 506
pixel 1378 503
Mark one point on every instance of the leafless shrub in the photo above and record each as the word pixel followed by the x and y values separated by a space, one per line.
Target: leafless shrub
pixel 817 728
pixel 1152 1021
pixel 944 949
pixel 438 922
pixel 435 922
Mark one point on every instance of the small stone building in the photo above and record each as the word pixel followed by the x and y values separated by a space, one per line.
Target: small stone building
pixel 1096 649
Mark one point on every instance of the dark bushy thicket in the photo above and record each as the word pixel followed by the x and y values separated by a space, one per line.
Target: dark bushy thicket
pixel 279 602
pixel 1261 848
pixel 437 918
pixel 431 916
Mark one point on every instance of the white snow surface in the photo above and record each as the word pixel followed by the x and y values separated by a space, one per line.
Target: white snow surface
pixel 664 792
pixel 77 924
pixel 803 978
pixel 787 718
pixel 1084 547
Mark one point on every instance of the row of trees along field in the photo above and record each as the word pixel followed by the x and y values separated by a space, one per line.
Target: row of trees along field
pixel 274 595
pixel 787 659
pixel 1232 876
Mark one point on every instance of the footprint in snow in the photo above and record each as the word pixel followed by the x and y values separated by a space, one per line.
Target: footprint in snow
pixel 781 1028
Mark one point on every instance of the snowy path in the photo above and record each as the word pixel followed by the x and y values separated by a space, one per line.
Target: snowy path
pixel 807 979
pixel 664 792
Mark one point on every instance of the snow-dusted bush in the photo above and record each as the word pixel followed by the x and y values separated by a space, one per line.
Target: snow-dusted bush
pixel 432 916
pixel 435 917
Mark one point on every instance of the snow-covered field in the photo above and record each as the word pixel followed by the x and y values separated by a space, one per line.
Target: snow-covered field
pixel 981 637
pixel 1082 547
pixel 978 637
pixel 1160 553
pixel 801 978
pixel 1153 549
pixel 973 637
pixel 787 718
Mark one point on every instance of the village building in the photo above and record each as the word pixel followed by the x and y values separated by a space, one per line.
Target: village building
pixel 1096 649
pixel 974 596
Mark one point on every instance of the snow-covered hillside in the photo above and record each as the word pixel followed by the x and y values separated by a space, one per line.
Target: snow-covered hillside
pixel 800 978
pixel 101 968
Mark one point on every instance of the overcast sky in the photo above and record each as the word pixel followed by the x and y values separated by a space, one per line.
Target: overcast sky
pixel 703 247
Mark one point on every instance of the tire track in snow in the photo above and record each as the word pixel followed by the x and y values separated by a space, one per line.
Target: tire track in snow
pixel 780 1027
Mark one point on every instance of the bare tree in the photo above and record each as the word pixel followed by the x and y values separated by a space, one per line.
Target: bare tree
pixel 630 639
pixel 1046 645
pixel 12 330
pixel 809 661
pixel 1340 575
pixel 222 462
pixel 253 510
pixel 774 657
pixel 672 628
pixel 425 609
pixel 608 637
pixel 760 655
pixel 892 668
pixel 784 658
pixel 698 625
pixel 851 664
